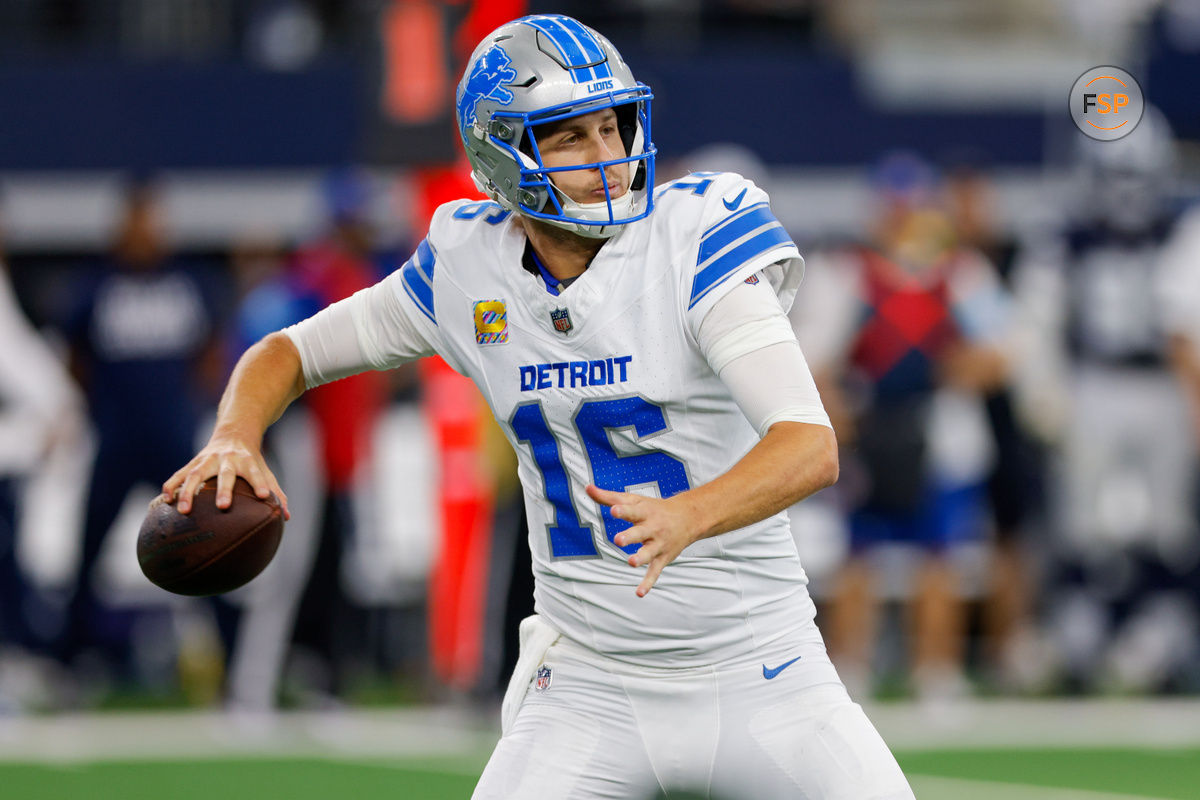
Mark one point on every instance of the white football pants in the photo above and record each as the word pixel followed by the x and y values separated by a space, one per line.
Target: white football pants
pixel 590 727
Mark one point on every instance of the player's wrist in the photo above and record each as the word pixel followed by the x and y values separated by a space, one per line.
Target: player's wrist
pixel 235 436
pixel 699 521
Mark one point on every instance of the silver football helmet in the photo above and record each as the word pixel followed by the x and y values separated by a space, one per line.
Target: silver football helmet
pixel 541 69
pixel 1129 183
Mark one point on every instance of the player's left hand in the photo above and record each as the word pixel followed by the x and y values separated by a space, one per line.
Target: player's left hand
pixel 663 527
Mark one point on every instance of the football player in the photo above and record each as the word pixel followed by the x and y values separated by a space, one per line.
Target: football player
pixel 1102 302
pixel 633 343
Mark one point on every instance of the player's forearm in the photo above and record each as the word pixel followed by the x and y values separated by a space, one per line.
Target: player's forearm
pixel 973 367
pixel 267 378
pixel 791 462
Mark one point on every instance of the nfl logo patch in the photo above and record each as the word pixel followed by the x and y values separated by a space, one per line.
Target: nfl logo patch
pixel 543 678
pixel 753 279
pixel 561 318
pixel 491 322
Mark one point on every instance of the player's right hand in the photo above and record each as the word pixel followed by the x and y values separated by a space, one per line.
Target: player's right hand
pixel 226 458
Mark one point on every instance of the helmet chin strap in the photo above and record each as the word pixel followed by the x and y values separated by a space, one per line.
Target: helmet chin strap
pixel 621 207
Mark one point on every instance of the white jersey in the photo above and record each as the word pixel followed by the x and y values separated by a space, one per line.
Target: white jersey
pixel 605 384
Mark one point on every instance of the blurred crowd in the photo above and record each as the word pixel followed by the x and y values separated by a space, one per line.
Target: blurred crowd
pixel 1019 431
pixel 108 401
pixel 1019 420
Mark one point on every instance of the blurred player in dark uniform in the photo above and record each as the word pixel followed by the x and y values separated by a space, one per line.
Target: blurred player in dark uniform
pixel 1096 302
pixel 144 351
pixel 38 408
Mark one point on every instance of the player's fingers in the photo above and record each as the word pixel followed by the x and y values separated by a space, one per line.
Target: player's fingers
pixel 652 572
pixel 265 484
pixel 226 478
pixel 283 501
pixel 175 485
pixel 188 489
pixel 604 496
pixel 630 510
pixel 260 478
pixel 171 485
pixel 630 536
pixel 201 469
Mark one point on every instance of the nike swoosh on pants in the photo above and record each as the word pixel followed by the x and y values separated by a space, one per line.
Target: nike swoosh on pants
pixel 771 673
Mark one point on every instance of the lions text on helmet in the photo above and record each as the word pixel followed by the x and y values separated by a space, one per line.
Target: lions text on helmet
pixel 556 127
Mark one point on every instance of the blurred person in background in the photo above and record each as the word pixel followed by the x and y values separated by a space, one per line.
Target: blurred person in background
pixel 269 297
pixel 1098 301
pixel 905 335
pixel 38 406
pixel 1182 268
pixel 143 347
pixel 324 625
pixel 1015 483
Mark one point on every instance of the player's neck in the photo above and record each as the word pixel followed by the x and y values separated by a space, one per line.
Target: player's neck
pixel 565 255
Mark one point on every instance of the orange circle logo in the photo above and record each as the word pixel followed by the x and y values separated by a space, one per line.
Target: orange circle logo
pixel 1106 103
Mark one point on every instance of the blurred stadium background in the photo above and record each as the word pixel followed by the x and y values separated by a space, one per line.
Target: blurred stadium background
pixel 275 155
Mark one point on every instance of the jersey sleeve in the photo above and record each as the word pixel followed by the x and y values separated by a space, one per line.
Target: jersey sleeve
pixel 737 237
pixel 380 327
pixel 747 340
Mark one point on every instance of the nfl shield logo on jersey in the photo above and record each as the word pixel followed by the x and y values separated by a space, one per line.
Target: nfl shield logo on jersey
pixel 561 318
pixel 543 678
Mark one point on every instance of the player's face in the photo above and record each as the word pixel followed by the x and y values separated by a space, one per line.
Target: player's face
pixel 585 139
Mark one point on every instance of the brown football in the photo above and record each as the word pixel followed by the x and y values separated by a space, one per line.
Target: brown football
pixel 209 551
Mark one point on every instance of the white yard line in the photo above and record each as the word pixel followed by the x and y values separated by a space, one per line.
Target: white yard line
pixel 928 787
pixel 1155 723
pixel 456 732
pixel 162 736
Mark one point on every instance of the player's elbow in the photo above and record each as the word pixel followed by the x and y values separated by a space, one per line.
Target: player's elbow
pixel 812 457
pixel 825 460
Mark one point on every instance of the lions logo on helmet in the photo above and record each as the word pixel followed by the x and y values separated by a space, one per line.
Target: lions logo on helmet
pixel 539 70
pixel 488 75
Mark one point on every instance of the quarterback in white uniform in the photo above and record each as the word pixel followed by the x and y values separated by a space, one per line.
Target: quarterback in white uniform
pixel 644 370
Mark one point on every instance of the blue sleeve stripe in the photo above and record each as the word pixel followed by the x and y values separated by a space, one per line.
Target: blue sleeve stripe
pixel 425 259
pixel 720 269
pixel 732 216
pixel 726 233
pixel 419 288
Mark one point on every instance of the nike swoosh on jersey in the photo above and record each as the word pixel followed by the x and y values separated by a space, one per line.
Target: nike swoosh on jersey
pixel 737 201
pixel 771 673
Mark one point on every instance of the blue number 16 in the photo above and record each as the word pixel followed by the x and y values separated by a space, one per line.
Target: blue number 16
pixel 569 537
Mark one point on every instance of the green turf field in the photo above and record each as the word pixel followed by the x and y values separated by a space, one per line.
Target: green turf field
pixel 1074 774
pixel 255 779
pixel 1023 750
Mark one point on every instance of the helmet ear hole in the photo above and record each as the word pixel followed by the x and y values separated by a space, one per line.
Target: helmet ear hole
pixel 526 145
pixel 639 179
pixel 627 125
